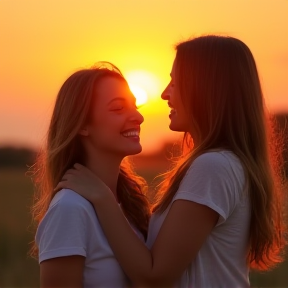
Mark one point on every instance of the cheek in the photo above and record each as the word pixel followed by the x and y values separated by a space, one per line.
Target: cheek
pixel 101 138
pixel 175 96
pixel 182 120
pixel 105 127
pixel 102 120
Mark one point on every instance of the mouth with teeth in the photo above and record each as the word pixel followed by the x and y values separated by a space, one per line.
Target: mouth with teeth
pixel 132 134
pixel 172 111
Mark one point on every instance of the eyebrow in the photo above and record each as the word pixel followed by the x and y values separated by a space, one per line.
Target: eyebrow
pixel 118 99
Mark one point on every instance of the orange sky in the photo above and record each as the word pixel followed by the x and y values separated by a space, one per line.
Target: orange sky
pixel 43 42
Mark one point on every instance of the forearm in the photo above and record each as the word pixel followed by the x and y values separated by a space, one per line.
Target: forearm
pixel 183 232
pixel 134 257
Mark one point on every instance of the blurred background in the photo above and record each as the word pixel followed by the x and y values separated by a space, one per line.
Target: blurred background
pixel 43 42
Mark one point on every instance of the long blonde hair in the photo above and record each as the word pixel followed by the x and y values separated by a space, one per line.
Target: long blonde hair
pixel 63 148
pixel 219 84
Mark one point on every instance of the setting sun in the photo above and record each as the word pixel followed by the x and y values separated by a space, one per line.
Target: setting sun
pixel 139 93
pixel 145 81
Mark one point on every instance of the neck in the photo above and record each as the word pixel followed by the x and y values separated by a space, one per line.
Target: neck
pixel 106 167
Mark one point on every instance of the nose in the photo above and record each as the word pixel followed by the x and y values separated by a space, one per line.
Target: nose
pixel 166 93
pixel 137 117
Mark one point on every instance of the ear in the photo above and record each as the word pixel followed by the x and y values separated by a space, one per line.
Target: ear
pixel 83 131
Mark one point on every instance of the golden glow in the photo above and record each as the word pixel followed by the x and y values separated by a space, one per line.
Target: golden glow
pixel 43 53
pixel 146 80
pixel 139 93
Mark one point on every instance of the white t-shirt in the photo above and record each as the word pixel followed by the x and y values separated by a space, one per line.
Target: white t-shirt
pixel 216 179
pixel 70 227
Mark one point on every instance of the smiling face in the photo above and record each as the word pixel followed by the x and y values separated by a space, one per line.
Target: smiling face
pixel 178 113
pixel 114 123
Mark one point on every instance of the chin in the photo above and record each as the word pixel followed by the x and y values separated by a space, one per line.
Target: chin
pixel 175 128
pixel 134 150
pixel 137 151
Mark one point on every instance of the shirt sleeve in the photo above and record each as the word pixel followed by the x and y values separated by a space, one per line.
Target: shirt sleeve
pixel 212 181
pixel 63 230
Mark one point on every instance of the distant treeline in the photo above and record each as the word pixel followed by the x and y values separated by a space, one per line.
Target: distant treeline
pixel 25 157
pixel 11 157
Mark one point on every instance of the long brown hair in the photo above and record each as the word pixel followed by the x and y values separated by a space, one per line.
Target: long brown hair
pixel 220 88
pixel 63 148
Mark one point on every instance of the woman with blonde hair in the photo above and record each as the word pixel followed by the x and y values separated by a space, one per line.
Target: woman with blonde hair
pixel 95 122
pixel 219 211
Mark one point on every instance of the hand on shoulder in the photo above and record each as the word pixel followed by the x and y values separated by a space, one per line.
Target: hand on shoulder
pixel 84 182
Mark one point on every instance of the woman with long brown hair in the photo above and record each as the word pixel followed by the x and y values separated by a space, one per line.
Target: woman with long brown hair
pixel 219 211
pixel 95 122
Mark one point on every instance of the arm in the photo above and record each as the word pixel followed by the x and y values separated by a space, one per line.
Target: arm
pixel 182 234
pixel 61 238
pixel 184 230
pixel 62 272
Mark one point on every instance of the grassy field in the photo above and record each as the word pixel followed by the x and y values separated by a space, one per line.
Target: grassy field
pixel 17 269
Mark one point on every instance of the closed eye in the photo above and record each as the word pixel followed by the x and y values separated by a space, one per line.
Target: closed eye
pixel 117 108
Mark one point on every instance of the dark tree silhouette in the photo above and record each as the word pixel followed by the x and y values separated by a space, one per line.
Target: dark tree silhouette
pixel 11 157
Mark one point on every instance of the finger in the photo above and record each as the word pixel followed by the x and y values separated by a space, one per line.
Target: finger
pixel 71 171
pixel 78 166
pixel 66 177
pixel 60 185
pixel 69 174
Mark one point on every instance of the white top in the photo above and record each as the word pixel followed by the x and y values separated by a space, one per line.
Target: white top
pixel 216 179
pixel 70 227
